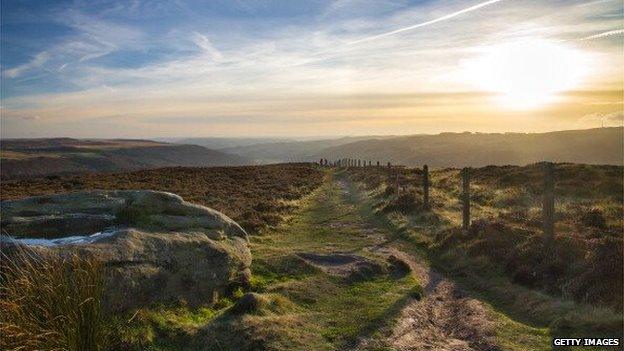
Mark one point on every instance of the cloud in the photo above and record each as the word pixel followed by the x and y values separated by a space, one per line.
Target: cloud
pixel 204 43
pixel 595 120
pixel 605 34
pixel 423 24
pixel 37 61
pixel 260 68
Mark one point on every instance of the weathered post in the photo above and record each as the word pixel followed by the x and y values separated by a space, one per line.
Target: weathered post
pixel 426 186
pixel 398 186
pixel 377 163
pixel 465 175
pixel 548 210
pixel 370 163
pixel 359 162
pixel 389 165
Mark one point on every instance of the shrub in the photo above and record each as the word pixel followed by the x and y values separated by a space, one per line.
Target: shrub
pixel 593 218
pixel 50 302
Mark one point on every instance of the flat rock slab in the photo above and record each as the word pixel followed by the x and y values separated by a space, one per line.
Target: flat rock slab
pixel 343 265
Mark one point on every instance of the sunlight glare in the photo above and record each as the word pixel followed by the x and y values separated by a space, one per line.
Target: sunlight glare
pixel 527 73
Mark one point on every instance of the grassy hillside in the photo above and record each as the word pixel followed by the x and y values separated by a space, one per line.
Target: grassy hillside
pixel 343 263
pixel 39 157
pixel 217 143
pixel 591 146
pixel 254 196
pixel 584 260
pixel 291 150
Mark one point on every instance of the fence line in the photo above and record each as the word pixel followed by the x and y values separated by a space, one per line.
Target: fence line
pixel 548 199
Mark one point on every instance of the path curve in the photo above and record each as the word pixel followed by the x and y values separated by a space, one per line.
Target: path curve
pixel 445 319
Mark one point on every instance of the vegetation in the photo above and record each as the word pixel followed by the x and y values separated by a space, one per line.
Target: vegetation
pixel 254 196
pixel 592 146
pixel 504 252
pixel 25 158
pixel 296 303
pixel 51 303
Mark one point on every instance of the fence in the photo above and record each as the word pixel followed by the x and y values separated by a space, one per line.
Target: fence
pixel 548 200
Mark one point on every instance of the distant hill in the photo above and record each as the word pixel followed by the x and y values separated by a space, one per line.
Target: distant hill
pixel 591 146
pixel 22 158
pixel 285 151
pixel 217 143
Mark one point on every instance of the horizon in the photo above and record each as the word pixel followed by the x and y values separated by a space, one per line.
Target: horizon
pixel 270 139
pixel 244 69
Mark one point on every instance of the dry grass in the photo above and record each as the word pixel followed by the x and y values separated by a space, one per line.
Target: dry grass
pixel 50 302
pixel 583 262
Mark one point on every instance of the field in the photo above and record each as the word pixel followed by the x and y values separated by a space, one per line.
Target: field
pixel 341 262
pixel 254 196
pixel 583 262
pixel 25 158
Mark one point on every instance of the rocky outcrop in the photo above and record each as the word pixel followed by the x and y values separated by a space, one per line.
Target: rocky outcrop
pixel 154 246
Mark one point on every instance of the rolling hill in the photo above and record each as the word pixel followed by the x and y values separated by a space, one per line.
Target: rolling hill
pixel 590 146
pixel 22 158
pixel 286 151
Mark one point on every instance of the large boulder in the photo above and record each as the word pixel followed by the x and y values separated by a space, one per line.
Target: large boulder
pixel 154 246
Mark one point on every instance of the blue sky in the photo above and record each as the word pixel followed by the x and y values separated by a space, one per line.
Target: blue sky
pixel 148 68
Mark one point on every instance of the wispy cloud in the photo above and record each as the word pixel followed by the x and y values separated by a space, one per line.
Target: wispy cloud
pixel 605 34
pixel 294 70
pixel 37 61
pixel 427 23
pixel 204 43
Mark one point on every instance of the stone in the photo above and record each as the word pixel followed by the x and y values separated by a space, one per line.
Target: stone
pixel 157 248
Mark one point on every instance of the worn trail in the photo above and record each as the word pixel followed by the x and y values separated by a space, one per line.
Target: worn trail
pixel 444 319
pixel 346 273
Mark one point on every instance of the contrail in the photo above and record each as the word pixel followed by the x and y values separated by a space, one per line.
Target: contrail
pixel 439 19
pixel 605 34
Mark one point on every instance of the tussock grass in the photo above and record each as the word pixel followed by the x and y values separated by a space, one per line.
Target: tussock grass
pixel 50 302
pixel 570 284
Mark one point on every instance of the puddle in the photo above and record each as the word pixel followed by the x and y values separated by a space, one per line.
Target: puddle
pixel 68 240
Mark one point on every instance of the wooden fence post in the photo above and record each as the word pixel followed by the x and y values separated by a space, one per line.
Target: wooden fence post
pixel 398 186
pixel 377 163
pixel 358 163
pixel 426 186
pixel 548 210
pixel 465 175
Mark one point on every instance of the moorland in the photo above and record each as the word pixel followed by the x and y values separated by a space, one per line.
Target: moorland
pixel 341 262
pixel 21 158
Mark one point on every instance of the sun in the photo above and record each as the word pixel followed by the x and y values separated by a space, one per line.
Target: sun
pixel 527 73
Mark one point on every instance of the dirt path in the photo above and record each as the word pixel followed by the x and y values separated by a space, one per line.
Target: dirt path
pixel 344 275
pixel 444 319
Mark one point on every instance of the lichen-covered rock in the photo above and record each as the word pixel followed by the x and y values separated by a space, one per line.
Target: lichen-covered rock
pixel 158 248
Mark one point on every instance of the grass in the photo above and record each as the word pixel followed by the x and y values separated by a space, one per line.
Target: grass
pixel 481 259
pixel 301 307
pixel 51 303
pixel 259 197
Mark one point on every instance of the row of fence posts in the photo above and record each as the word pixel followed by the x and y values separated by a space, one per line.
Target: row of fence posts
pixel 349 162
pixel 548 200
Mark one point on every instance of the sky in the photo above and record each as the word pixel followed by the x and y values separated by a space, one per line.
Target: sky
pixel 241 68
